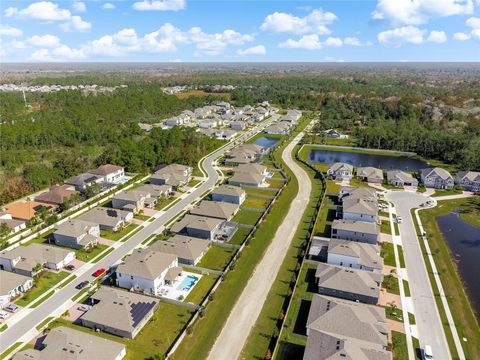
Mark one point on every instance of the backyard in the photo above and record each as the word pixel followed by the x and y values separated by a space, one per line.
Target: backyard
pixel 117 235
pixel 217 258
pixel 43 283
pixel 247 217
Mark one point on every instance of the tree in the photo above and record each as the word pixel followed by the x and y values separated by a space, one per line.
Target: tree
pixel 4 230
pixel 92 190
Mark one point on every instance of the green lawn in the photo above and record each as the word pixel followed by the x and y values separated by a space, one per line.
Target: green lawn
pixel 406 287
pixel 383 213
pixel 141 217
pixel 394 313
pixel 411 319
pixel 112 235
pixel 399 346
pixel 85 256
pixel 246 217
pixel 385 227
pixel 390 283
pixel 275 184
pixel 401 258
pixel 256 203
pixel 258 191
pixel 446 192
pixel 239 237
pixel 358 182
pixel 388 254
pixel 326 215
pixel 41 285
pixel 162 203
pixel 216 258
pixel 201 289
pixel 463 315
pixel 395 226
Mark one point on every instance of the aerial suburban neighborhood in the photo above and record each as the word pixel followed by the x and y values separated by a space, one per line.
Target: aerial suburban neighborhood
pixel 242 180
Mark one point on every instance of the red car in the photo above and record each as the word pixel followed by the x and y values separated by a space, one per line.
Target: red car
pixel 99 272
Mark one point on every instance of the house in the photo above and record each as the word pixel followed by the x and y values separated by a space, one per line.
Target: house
pixel 280 128
pixel 175 121
pixel 66 343
pixel 334 134
pixel 174 175
pixel 469 180
pixel 187 249
pixel 31 259
pixel 359 209
pixel 252 168
pixel 155 191
pixel 340 171
pixel 198 226
pixel 225 134
pixel 12 285
pixel 57 195
pixel 13 224
pixel 110 174
pixel 146 270
pixel 28 210
pixel 245 154
pixel 340 329
pixel 401 178
pixel 238 125
pixel 355 255
pixel 84 180
pixel 370 174
pixel 77 234
pixel 134 200
pixel 348 283
pixel 436 178
pixel 352 192
pixel 215 209
pixel 362 231
pixel 119 312
pixel 108 219
pixel 229 194
pixel 247 179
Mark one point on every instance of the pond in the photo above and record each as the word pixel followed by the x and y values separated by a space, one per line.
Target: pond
pixel 463 240
pixel 266 142
pixel 388 162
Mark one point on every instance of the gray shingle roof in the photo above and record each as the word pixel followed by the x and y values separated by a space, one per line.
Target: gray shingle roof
pixel 215 209
pixel 229 190
pixel 368 254
pixel 146 263
pixel 184 247
pixel 10 281
pixel 74 227
pixel 357 226
pixel 196 222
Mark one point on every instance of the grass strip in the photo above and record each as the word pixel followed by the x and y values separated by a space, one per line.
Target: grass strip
pixel 401 258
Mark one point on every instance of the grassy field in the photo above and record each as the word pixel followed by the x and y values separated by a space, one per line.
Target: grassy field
pixel 86 256
pixel 399 346
pixel 41 285
pixel 216 258
pixel 406 287
pixel 326 215
pixel 390 283
pixel 446 192
pixel 117 235
pixel 258 191
pixel 464 317
pixel 401 258
pixel 201 289
pixel 141 217
pixel 206 330
pixel 358 182
pixel 264 135
pixel 258 342
pixel 239 236
pixel 246 217
pixel 193 92
pixel 385 227
pixel 256 203
pixel 388 254
pixel 162 203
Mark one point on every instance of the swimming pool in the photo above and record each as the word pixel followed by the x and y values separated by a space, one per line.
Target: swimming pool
pixel 187 283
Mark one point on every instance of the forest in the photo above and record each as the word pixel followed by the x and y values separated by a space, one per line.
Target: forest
pixel 435 114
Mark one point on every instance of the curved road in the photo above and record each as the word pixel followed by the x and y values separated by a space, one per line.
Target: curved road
pixel 244 314
pixel 24 329
pixel 429 325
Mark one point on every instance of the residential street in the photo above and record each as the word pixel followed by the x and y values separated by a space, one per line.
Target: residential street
pixel 244 314
pixel 429 325
pixel 24 329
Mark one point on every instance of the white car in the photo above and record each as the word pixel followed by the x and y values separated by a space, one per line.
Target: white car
pixel 84 307
pixel 427 353
pixel 399 219
pixel 3 314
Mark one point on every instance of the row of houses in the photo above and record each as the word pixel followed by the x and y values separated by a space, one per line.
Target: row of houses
pixel 436 178
pixel 284 123
pixel 343 320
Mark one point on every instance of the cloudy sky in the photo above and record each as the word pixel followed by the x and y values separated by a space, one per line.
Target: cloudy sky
pixel 197 30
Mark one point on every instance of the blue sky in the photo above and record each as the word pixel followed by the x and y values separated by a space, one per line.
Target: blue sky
pixel 197 30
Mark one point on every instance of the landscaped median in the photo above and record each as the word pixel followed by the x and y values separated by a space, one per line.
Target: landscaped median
pixel 204 331
pixel 463 315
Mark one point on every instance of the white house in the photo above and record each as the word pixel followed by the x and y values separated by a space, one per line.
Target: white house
pixel 340 171
pixel 111 174
pixel 355 255
pixel 436 178
pixel 12 285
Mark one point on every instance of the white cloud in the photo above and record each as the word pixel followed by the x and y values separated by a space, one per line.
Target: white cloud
pixel 41 55
pixel 308 42
pixel 79 6
pixel 76 24
pixel 160 5
pixel 44 41
pixel 353 41
pixel 476 33
pixel 254 50
pixel 48 11
pixel 331 41
pixel 214 44
pixel 473 22
pixel 315 22
pixel 415 12
pixel 438 37
pixel 108 6
pixel 460 36
pixel 6 30
pixel 406 34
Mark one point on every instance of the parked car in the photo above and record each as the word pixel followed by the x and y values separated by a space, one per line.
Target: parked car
pixel 427 352
pixel 70 267
pixel 11 307
pixel 84 307
pixel 81 285
pixel 399 219
pixel 99 272
pixel 3 314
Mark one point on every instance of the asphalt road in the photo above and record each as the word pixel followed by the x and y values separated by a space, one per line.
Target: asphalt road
pixel 244 314
pixel 16 331
pixel 429 325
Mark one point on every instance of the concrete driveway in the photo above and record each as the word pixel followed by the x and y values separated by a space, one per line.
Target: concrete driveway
pixel 244 314
pixel 429 325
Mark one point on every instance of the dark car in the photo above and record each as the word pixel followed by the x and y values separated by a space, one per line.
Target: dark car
pixel 81 285
pixel 70 267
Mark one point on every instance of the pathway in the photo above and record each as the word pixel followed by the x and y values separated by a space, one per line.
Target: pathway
pixel 244 314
